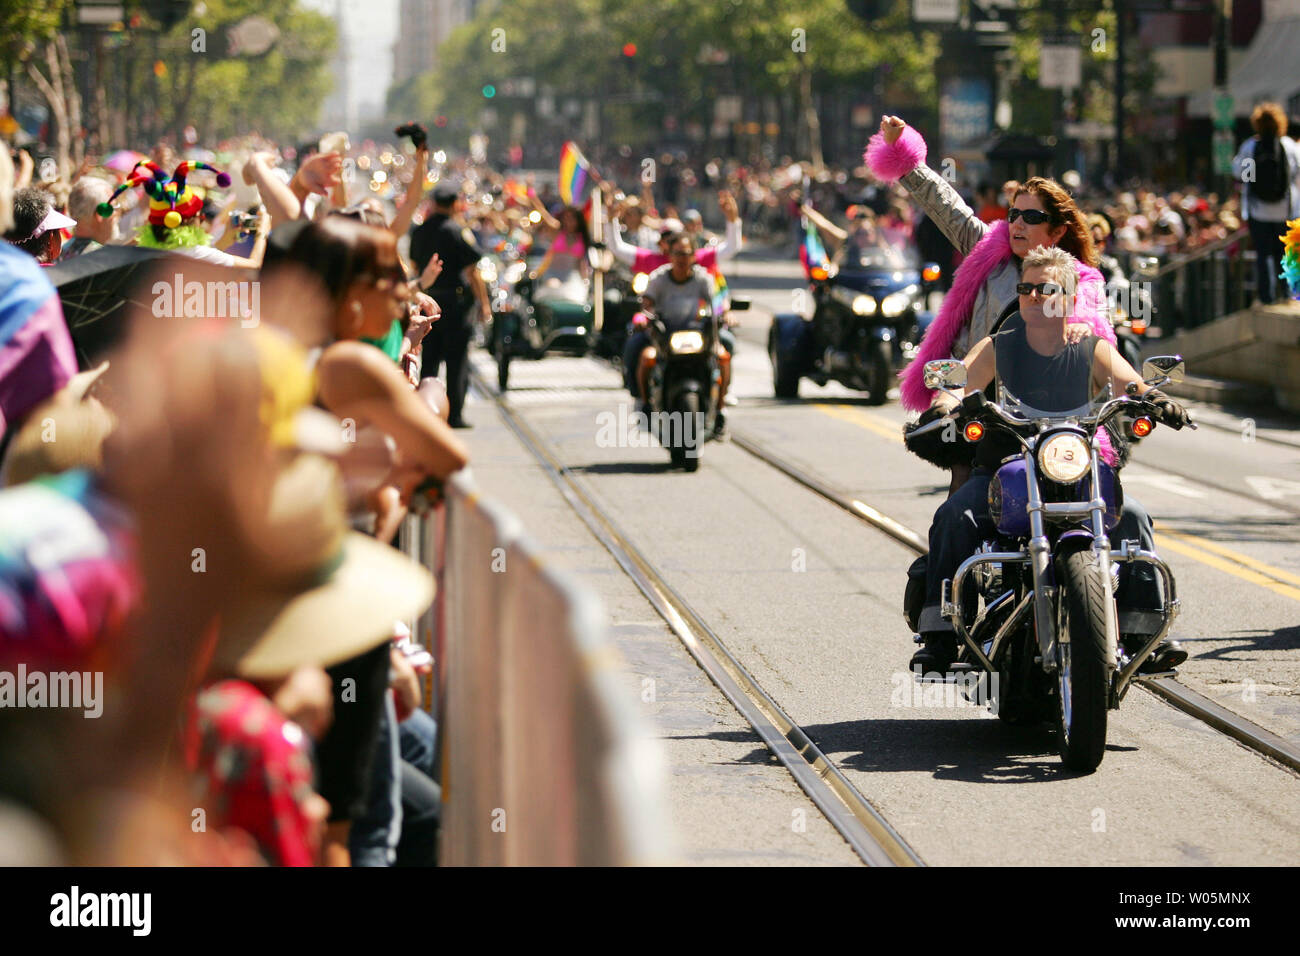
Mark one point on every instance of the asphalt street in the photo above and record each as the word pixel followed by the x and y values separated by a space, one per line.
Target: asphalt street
pixel 810 601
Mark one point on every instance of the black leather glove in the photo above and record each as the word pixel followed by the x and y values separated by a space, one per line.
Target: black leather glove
pixel 1171 413
pixel 931 447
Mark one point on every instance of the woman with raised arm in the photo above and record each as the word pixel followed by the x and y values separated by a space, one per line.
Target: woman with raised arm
pixel 1042 213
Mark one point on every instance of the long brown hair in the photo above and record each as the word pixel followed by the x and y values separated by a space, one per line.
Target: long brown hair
pixel 339 250
pixel 1061 209
pixel 1269 120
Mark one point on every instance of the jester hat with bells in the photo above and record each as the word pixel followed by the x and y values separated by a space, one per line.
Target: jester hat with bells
pixel 171 201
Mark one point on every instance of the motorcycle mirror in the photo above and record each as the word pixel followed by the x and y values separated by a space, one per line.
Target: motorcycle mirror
pixel 945 373
pixel 1168 368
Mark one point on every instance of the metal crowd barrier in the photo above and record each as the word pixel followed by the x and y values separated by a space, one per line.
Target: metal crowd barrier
pixel 545 760
pixel 1201 286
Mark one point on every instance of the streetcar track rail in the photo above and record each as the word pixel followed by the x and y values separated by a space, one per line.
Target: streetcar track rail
pixel 862 826
pixel 1197 705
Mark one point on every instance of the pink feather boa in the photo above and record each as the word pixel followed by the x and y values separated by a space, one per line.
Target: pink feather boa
pixel 891 161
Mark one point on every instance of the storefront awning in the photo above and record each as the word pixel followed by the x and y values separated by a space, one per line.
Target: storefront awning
pixel 1269 70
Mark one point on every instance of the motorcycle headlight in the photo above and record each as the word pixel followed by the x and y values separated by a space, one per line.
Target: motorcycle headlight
pixel 488 270
pixel 1064 458
pixel 639 282
pixel 686 342
pixel 864 305
pixel 895 304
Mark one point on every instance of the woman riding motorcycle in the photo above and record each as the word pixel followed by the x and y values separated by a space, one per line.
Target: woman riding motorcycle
pixel 1042 214
pixel 562 273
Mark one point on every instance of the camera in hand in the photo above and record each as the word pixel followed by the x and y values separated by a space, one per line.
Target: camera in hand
pixel 243 222
pixel 419 135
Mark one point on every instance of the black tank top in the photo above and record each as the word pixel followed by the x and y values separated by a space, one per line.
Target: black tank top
pixel 1055 383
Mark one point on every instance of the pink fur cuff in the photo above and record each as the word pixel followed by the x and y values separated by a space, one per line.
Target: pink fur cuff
pixel 891 161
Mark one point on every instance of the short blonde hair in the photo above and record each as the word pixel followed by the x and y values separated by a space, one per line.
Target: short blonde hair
pixel 1057 263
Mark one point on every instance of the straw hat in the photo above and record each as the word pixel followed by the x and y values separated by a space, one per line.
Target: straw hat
pixel 64 432
pixel 333 596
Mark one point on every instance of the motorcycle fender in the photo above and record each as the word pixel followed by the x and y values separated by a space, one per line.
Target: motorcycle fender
pixel 679 387
pixel 792 333
pixel 1068 537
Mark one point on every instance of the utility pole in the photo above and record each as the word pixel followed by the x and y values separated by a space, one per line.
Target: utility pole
pixel 1223 105
pixel 1121 89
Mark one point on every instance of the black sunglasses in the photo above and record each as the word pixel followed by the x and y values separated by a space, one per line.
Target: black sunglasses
pixel 1044 289
pixel 1032 217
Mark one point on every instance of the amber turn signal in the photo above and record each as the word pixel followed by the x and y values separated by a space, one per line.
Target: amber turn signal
pixel 1142 427
pixel 974 431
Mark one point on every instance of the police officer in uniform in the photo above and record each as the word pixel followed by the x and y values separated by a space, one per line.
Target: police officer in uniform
pixel 459 291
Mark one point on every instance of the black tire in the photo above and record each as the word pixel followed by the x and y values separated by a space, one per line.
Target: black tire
pixel 880 373
pixel 686 449
pixel 785 376
pixel 1083 681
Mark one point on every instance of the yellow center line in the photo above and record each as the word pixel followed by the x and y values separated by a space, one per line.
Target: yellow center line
pixel 862 421
pixel 1235 562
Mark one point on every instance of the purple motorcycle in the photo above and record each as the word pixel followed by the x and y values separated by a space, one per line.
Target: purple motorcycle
pixel 1034 608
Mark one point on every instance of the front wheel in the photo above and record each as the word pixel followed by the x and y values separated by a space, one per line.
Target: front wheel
pixel 879 373
pixel 685 433
pixel 1084 674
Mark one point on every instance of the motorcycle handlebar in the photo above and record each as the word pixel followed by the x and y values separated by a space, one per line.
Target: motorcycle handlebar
pixel 977 404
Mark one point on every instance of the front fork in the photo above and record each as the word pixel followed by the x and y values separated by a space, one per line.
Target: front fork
pixel 1046 592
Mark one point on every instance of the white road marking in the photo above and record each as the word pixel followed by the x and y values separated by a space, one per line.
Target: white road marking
pixel 1272 488
pixel 1174 484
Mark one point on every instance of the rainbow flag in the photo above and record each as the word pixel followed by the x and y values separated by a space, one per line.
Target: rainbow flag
pixel 812 253
pixel 721 294
pixel 575 178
